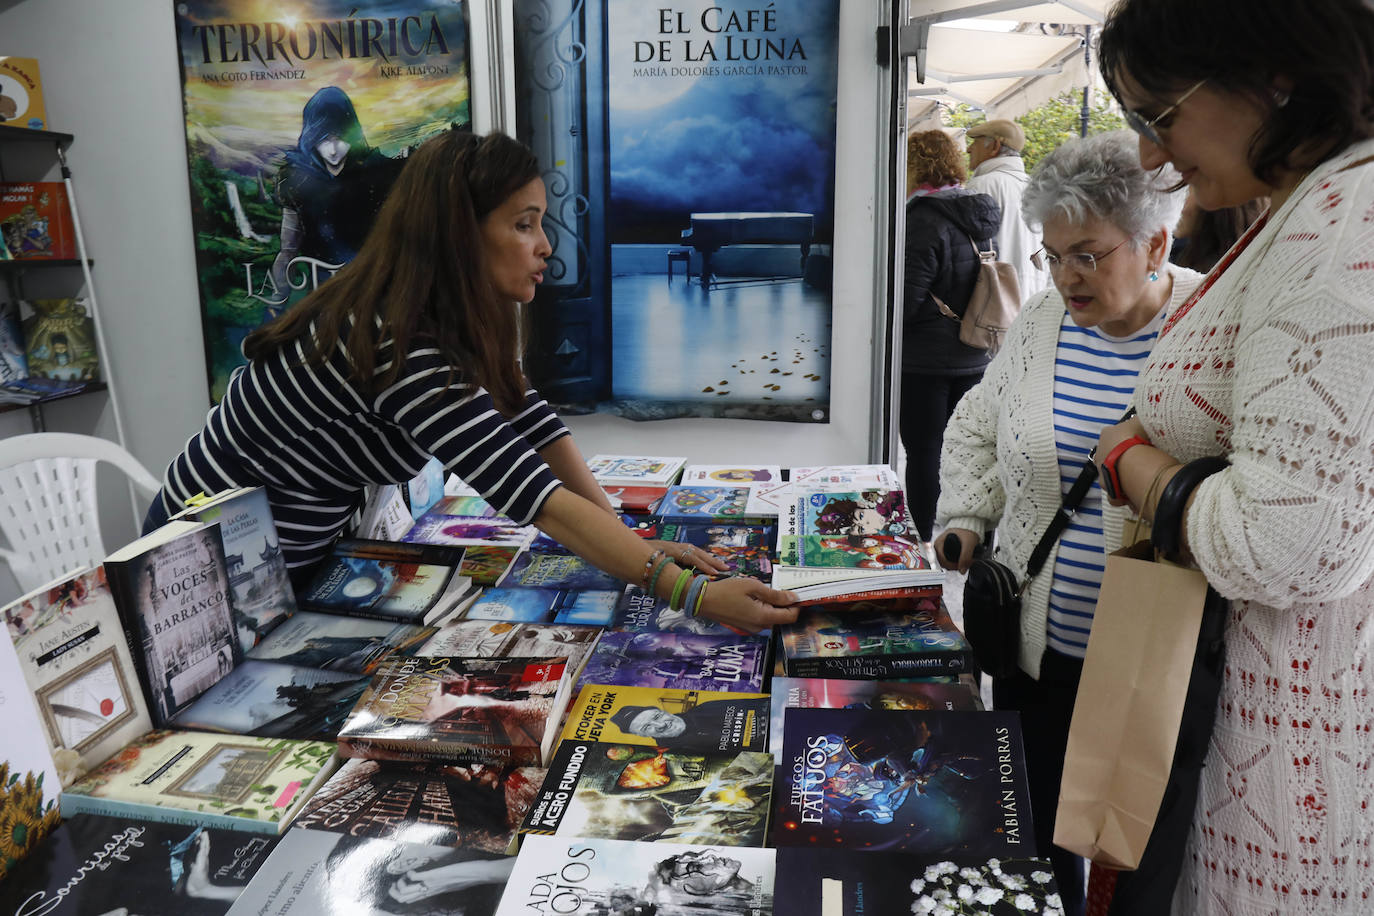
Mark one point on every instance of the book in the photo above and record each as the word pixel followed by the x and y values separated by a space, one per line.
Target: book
pixel 690 661
pixel 171 587
pixel 874 645
pixel 639 612
pixel 830 693
pixel 747 475
pixel 927 782
pixel 503 639
pixel 273 700
pixel 321 873
pixel 77 665
pixel 470 505
pixel 21 94
pixel 436 527
pixel 29 781
pixel 36 220
pixel 411 583
pixel 351 644
pixel 827 478
pixel 14 363
pixel 60 341
pixel 700 502
pixel 460 710
pixel 260 586
pixel 635 470
pixel 592 607
pixel 486 565
pixel 477 806
pixel 93 864
pixel 635 499
pixel 841 882
pixel 535 569
pixel 876 511
pixel 652 794
pixel 700 720
pixel 230 781
pixel 746 549
pixel 826 567
pixel 590 876
pixel 384 515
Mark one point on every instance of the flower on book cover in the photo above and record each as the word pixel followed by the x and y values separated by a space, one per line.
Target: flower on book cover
pixel 24 819
pixel 946 889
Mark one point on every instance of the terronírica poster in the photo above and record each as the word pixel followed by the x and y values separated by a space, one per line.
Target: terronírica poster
pixel 689 150
pixel 298 118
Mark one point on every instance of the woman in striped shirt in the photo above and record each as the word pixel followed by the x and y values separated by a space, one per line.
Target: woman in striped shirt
pixel 1018 440
pixel 411 350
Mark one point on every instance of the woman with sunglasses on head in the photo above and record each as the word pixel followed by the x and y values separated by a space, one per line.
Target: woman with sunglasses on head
pixel 1266 383
pixel 1017 441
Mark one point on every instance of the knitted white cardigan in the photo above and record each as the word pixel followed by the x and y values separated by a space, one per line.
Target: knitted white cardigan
pixel 999 464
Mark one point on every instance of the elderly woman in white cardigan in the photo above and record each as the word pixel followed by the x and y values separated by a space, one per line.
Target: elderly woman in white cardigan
pixel 1017 441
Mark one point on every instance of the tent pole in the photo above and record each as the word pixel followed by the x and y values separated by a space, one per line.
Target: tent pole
pixel 1087 86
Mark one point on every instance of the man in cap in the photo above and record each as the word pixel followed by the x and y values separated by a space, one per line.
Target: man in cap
pixel 994 154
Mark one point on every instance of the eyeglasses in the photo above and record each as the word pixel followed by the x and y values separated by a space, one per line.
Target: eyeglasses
pixel 1082 261
pixel 1150 129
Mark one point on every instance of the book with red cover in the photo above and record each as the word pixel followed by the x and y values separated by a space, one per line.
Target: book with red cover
pixel 36 221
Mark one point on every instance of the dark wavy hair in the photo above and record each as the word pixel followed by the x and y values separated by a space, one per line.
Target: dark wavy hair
pixel 422 273
pixel 933 158
pixel 1324 48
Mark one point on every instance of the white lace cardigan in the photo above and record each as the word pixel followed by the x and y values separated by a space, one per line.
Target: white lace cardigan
pixel 999 464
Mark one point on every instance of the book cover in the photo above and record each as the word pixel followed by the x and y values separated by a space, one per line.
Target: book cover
pixel 21 94
pixel 635 470
pixel 230 781
pixel 635 499
pixel 827 478
pixel 534 569
pixel 273 700
pixel 73 655
pixel 592 607
pixel 172 591
pixel 503 639
pixel 384 515
pixel 834 882
pixel 460 710
pixel 349 644
pixel 746 475
pixel 832 693
pixel 927 782
pixel 829 567
pixel 694 501
pixel 589 876
pixel 409 582
pixel 435 527
pixel 478 806
pixel 60 342
pixel 117 865
pixel 876 511
pixel 874 644
pixel 702 720
pixel 470 505
pixel 321 873
pixel 14 363
pixel 29 782
pixel 486 565
pixel 262 595
pixel 747 549
pixel 639 612
pixel 652 794
pixel 35 220
pixel 689 661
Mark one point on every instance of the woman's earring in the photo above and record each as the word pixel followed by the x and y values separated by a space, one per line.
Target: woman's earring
pixel 1281 97
pixel 1154 275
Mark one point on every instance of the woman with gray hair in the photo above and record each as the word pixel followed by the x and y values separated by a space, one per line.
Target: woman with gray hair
pixel 1017 441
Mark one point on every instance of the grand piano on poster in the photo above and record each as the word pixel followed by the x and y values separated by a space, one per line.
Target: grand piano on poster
pixel 711 232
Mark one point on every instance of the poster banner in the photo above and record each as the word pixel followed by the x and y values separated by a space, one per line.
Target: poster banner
pixel 298 119
pixel 709 187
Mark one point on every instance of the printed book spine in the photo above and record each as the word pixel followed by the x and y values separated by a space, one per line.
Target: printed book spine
pixel 935 663
pixel 873 594
pixel 75 803
pixel 420 751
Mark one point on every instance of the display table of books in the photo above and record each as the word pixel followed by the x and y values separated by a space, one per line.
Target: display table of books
pixel 472 720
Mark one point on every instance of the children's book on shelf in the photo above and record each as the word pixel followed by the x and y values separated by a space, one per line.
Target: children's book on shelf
pixel 635 499
pixel 732 474
pixel 504 639
pixel 536 569
pixel 36 220
pixel 435 527
pixel 832 693
pixel 700 720
pixel 639 612
pixel 262 595
pixel 653 794
pixel 878 644
pixel 322 873
pixel 635 470
pixel 14 364
pixel 273 700
pixel 171 587
pixel 590 876
pixel 29 781
pixel 411 583
pixel 21 94
pixel 591 607
pixel 690 661
pixel 835 882
pixel 349 644
pixel 460 710
pixel 60 342
pixel 875 511
pixel 476 806
pixel 92 864
pixel 703 502
pixel 230 781
pixel 826 567
pixel 74 657
pixel 928 782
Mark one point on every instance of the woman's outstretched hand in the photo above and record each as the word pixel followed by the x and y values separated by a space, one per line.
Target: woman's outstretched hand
pixel 691 556
pixel 748 605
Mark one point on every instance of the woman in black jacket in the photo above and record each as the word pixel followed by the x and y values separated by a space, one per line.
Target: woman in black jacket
pixel 943 223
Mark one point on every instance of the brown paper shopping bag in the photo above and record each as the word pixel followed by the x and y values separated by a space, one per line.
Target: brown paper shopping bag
pixel 1130 701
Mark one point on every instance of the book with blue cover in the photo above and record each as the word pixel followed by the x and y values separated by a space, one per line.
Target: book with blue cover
pixel 593 607
pixel 687 661
pixel 874 644
pixel 412 583
pixel 639 612
pixel 536 569
pixel 348 644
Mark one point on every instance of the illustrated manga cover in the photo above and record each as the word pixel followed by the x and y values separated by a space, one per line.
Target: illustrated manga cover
pixel 623 877
pixel 831 567
pixel 273 700
pixel 688 661
pixel 296 126
pixel 635 470
pixel 35 218
pixel 875 644
pixel 60 341
pixel 638 612
pixel 632 792
pixel 536 569
pixel 593 607
pixel 704 502
pixel 853 512
pixel 346 644
pixel 746 549
pixel 669 717
pixel 825 479
pixel 934 783
pixel 14 364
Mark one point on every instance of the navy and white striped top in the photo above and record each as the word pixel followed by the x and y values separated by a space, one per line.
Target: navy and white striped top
pixel 1094 379
pixel 313 439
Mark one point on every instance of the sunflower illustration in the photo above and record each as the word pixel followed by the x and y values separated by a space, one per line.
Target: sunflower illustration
pixel 24 819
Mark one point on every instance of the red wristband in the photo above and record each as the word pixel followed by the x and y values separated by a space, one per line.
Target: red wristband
pixel 1111 483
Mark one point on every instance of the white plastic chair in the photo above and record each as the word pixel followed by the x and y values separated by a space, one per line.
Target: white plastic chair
pixel 48 508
